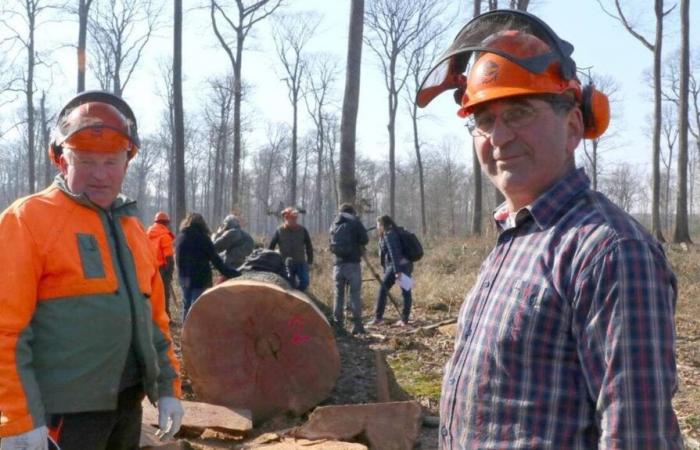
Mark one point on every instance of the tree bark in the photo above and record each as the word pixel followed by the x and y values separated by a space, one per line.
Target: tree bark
pixel 83 11
pixel 681 232
pixel 656 147
pixel 179 120
pixel 351 101
pixel 45 137
pixel 478 195
pixel 476 167
pixel 31 10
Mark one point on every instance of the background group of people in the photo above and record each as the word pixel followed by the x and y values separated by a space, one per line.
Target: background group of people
pixel 195 250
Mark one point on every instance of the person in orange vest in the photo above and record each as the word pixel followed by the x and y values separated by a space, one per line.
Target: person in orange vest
pixel 162 242
pixel 84 336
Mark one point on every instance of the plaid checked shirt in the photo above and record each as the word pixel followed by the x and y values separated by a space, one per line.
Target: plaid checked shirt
pixel 567 339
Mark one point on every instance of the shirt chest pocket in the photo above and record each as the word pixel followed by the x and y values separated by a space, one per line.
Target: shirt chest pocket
pixel 90 256
pixel 526 308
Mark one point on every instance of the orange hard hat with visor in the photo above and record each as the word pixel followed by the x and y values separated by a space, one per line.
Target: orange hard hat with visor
pixel 95 121
pixel 514 53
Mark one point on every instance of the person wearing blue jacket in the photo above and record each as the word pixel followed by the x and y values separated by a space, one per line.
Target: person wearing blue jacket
pixel 395 265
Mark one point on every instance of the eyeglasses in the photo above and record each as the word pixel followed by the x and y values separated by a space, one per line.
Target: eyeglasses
pixel 519 115
pixel 82 162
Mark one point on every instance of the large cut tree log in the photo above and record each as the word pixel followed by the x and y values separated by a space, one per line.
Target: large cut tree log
pixel 256 345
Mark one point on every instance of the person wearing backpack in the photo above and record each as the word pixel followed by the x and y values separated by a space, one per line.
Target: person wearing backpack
pixel 395 264
pixel 232 242
pixel 348 237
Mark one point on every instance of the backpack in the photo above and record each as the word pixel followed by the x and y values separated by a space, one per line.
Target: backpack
pixel 342 239
pixel 410 245
pixel 263 260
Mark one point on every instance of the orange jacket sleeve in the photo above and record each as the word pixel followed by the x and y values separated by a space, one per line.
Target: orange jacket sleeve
pixel 21 408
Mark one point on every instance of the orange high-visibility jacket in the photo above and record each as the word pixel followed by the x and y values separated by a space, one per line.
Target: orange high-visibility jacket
pixel 162 242
pixel 79 287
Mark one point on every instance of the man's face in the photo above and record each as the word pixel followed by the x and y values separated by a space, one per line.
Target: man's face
pixel 99 175
pixel 526 146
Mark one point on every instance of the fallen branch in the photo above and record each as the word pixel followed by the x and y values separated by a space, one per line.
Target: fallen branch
pixel 430 327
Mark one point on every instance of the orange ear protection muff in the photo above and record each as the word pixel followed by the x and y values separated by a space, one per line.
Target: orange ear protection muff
pixel 106 114
pixel 595 109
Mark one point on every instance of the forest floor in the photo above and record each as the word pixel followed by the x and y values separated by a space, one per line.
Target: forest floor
pixel 417 356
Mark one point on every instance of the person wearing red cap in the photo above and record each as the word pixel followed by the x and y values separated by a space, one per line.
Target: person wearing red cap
pixel 567 339
pixel 83 332
pixel 162 242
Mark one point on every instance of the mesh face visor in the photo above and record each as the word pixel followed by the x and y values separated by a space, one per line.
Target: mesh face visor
pixel 96 126
pixel 481 35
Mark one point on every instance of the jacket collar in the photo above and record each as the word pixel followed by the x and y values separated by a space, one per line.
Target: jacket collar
pixel 121 206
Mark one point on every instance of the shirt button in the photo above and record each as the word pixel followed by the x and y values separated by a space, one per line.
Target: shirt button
pixel 452 380
pixel 487 283
pixel 443 431
pixel 467 332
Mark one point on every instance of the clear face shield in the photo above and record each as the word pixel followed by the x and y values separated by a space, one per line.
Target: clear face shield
pixel 517 37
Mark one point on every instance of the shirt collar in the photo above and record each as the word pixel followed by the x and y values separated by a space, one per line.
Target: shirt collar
pixel 548 207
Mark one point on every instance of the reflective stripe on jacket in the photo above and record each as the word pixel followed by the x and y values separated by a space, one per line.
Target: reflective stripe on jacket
pixel 80 286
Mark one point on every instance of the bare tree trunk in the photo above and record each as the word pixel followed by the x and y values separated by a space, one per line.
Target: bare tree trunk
pixel 419 162
pixel 391 127
pixel 83 11
pixel 45 136
pixel 681 232
pixel 291 34
pixel 293 181
pixel 396 27
pixel 656 148
pixel 237 100
pixel 29 92
pixel 478 195
pixel 179 120
pixel 351 100
pixel 247 17
pixel 476 167
pixel 595 163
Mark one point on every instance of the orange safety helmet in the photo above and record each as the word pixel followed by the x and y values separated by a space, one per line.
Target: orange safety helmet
pixel 515 53
pixel 493 76
pixel 162 216
pixel 97 121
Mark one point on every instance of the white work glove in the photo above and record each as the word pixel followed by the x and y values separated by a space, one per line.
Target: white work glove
pixel 170 414
pixel 37 439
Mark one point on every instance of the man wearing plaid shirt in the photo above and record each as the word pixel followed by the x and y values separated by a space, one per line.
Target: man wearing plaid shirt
pixel 567 339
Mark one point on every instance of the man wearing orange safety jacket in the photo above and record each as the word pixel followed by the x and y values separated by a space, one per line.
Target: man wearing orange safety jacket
pixel 162 242
pixel 83 330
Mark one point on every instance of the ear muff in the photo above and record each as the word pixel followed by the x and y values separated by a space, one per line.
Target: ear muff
pixel 595 109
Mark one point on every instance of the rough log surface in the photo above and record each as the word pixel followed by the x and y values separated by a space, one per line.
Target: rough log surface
pixel 258 345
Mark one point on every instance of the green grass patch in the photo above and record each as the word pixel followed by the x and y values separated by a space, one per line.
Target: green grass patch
pixel 414 377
